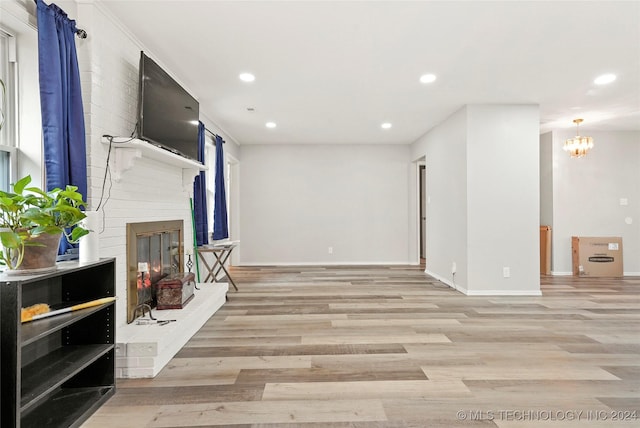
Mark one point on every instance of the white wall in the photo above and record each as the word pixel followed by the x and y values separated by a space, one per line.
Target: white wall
pixel 503 196
pixel 483 199
pixel 446 178
pixel 296 201
pixel 546 179
pixel 587 193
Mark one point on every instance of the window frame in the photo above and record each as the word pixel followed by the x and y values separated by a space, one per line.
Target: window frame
pixel 9 133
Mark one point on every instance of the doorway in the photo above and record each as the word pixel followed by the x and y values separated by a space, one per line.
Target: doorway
pixel 422 204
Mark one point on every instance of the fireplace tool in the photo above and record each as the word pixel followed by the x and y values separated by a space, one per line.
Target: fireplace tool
pixel 147 321
pixel 144 307
pixel 190 266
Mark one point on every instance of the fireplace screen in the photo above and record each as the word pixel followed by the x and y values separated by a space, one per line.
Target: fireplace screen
pixel 154 251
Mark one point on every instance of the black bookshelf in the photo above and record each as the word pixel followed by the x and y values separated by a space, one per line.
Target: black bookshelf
pixel 57 371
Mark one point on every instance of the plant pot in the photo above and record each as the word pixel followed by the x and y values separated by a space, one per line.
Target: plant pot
pixel 41 257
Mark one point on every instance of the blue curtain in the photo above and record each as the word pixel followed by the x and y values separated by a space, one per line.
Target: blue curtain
pixel 61 102
pixel 220 226
pixel 200 196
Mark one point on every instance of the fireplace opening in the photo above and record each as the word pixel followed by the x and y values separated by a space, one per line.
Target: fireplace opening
pixel 154 251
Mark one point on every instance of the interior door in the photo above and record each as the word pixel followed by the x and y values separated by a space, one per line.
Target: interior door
pixel 423 212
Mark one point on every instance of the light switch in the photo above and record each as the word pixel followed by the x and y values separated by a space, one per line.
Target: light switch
pixel 624 201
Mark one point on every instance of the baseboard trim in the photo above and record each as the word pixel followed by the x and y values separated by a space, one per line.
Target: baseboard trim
pixel 466 292
pixel 396 263
pixel 504 293
pixel 624 274
pixel 446 281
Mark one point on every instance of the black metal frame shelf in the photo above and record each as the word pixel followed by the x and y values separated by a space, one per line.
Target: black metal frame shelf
pixel 38 329
pixel 58 370
pixel 68 407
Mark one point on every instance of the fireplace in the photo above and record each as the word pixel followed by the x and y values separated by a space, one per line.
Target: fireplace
pixel 154 251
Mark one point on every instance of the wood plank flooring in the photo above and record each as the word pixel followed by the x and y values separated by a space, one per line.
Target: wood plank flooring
pixel 388 346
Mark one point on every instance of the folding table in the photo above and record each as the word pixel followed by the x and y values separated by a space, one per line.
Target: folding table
pixel 221 253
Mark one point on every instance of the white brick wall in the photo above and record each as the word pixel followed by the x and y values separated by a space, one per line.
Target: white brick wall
pixel 151 191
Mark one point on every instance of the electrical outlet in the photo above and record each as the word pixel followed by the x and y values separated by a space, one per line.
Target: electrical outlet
pixel 330 250
pixel 506 272
pixel 453 267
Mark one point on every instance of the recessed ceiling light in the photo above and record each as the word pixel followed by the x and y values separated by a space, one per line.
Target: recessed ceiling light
pixel 386 125
pixel 427 78
pixel 605 79
pixel 270 124
pixel 247 77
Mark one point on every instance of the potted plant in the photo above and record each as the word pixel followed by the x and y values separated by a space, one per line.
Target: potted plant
pixel 33 221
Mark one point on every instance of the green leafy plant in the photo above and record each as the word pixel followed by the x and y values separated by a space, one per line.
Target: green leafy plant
pixel 29 211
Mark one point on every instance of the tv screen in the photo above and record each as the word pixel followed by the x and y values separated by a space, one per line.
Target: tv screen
pixel 167 115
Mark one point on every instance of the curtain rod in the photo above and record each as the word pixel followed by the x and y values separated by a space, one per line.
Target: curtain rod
pixel 79 31
pixel 214 134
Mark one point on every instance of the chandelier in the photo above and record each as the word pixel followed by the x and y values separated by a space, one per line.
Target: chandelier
pixel 578 146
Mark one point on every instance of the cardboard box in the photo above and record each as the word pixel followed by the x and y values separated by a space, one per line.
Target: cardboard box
pixel 597 257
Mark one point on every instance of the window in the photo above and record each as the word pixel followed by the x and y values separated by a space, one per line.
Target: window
pixel 5 166
pixel 7 110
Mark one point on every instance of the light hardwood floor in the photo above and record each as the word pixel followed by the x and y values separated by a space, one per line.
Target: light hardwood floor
pixel 388 346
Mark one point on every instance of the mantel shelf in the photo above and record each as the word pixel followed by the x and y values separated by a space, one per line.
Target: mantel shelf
pixel 128 150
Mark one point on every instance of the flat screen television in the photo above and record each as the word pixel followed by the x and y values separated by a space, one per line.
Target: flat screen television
pixel 167 115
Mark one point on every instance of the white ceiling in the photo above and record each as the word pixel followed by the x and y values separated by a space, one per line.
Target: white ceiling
pixel 333 71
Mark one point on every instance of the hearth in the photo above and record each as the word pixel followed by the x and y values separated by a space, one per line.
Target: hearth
pixel 154 251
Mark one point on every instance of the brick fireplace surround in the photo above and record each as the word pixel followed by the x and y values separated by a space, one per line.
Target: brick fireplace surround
pixel 143 350
pixel 140 194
